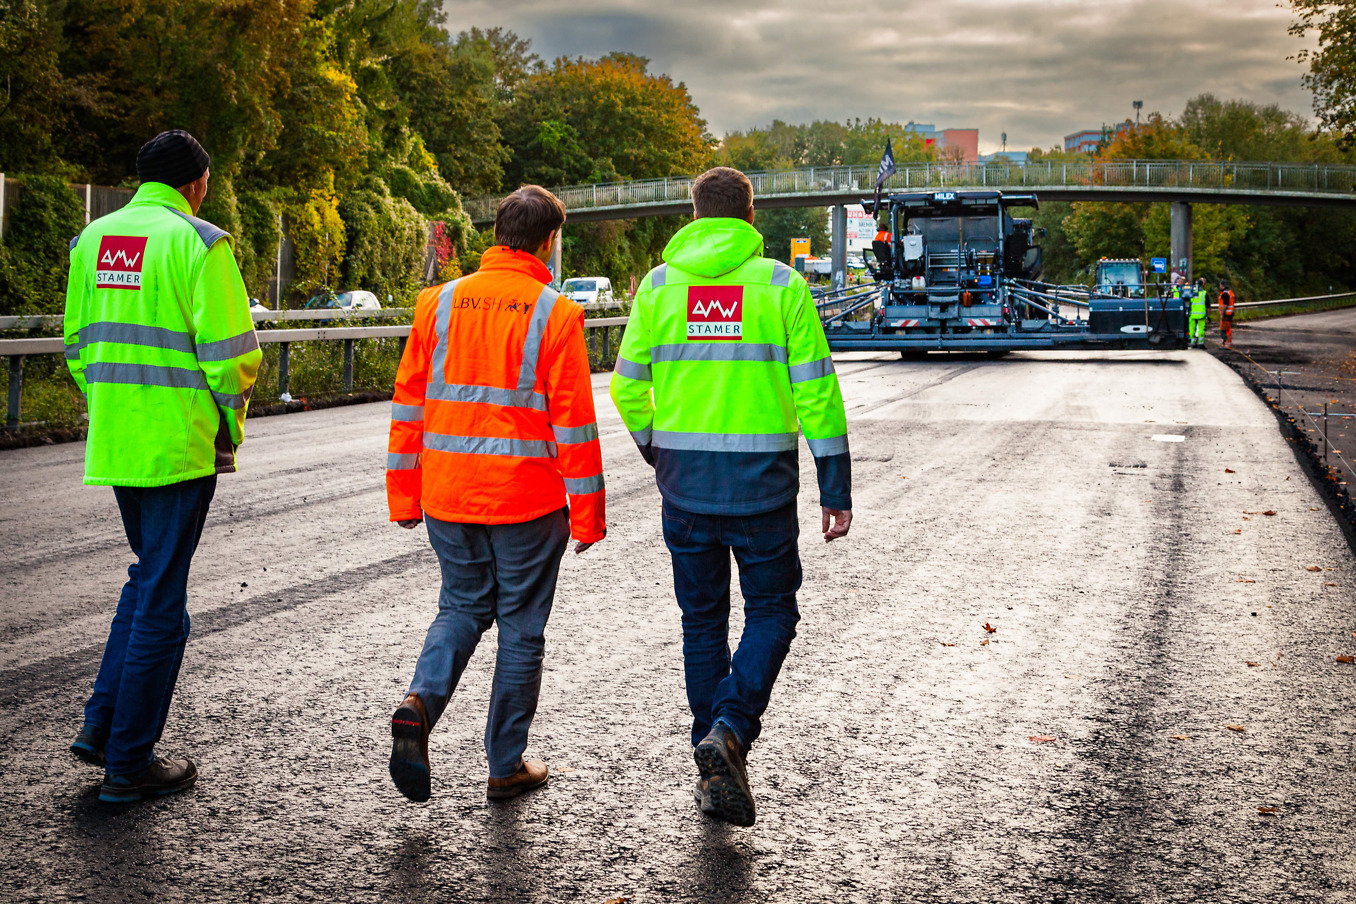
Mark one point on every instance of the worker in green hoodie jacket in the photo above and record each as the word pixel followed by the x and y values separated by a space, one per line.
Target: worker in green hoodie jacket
pixel 723 365
pixel 160 339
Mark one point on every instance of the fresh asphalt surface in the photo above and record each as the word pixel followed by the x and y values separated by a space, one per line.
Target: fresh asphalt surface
pixel 1133 584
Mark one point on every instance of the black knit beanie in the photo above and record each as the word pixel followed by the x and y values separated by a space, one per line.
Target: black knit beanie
pixel 174 158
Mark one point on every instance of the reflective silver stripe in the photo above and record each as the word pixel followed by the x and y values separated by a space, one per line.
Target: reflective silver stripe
pixel 575 434
pixel 835 445
pixel 407 413
pixel 135 334
pixel 490 445
pixel 726 442
pixel 144 375
pixel 811 370
pixel 208 232
pixel 718 351
pixel 226 349
pixel 658 275
pixel 489 395
pixel 582 486
pixel 643 437
pixel 440 328
pixel 402 461
pixel 633 371
pixel 781 274
pixel 536 331
pixel 232 400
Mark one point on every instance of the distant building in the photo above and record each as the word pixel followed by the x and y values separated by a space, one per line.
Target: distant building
pixel 966 139
pixel 1088 141
pixel 1004 156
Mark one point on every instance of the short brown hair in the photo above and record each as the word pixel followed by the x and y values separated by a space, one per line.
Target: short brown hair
pixel 525 219
pixel 722 192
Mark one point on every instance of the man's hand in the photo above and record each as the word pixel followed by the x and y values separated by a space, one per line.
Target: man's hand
pixel 581 546
pixel 412 523
pixel 842 520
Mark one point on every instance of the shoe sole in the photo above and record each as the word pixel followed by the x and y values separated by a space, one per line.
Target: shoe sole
pixel 516 790
pixel 729 801
pixel 132 795
pixel 86 754
pixel 409 771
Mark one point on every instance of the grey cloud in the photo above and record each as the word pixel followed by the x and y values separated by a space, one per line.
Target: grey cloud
pixel 1037 69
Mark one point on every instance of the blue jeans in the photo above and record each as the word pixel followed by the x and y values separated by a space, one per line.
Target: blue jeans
pixel 503 573
pixel 146 642
pixel 720 688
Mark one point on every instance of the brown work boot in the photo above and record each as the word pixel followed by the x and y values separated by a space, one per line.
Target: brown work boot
pixel 531 774
pixel 720 759
pixel 409 749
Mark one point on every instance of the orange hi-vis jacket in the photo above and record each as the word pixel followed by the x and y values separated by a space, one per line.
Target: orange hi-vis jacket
pixel 493 420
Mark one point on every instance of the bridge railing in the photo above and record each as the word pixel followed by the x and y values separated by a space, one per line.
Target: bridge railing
pixel 836 180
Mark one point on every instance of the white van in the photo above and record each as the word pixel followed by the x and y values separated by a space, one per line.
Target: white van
pixel 595 291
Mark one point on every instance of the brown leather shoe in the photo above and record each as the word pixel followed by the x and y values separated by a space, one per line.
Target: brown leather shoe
pixel 531 774
pixel 409 749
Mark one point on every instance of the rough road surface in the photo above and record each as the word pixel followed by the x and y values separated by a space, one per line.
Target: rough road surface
pixel 1145 597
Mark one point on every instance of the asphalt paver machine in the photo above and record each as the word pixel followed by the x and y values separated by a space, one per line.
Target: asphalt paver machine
pixel 963 274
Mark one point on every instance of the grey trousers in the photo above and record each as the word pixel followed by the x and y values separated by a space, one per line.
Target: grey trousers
pixel 504 573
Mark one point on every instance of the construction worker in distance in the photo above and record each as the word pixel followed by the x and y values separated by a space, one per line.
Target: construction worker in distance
pixel 492 429
pixel 881 249
pixel 160 340
pixel 723 354
pixel 1226 314
pixel 1200 312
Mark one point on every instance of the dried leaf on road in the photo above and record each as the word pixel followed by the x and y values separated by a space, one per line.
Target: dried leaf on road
pixel 1313 568
pixel 1267 811
pixel 1041 738
pixel 1245 581
pixel 1330 584
pixel 945 644
pixel 1252 664
pixel 1268 512
pixel 1236 727
pixel 1345 659
pixel 1239 531
pixel 990 628
pixel 984 642
pixel 618 900
pixel 1181 737
pixel 1228 470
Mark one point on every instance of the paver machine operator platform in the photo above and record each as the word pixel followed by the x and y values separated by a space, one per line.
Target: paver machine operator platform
pixel 962 273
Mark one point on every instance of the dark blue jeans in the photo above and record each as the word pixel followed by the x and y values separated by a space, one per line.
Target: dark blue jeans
pixel 146 643
pixel 503 573
pixel 720 688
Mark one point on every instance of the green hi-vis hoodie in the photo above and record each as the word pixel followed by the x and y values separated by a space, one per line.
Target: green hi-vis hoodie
pixel 723 364
pixel 160 339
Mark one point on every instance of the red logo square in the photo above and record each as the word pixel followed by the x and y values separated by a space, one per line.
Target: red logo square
pixel 715 312
pixel 120 260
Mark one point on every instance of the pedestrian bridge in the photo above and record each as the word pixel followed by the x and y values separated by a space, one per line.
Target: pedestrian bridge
pixel 1194 181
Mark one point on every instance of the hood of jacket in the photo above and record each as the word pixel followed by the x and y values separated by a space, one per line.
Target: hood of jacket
pixel 712 246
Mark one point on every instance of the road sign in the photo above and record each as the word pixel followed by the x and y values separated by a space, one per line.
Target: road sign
pixel 1158 264
pixel 799 247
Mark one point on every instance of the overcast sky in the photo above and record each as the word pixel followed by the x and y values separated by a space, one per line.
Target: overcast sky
pixel 1036 69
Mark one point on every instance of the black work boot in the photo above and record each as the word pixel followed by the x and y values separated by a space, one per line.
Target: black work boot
pixel 720 758
pixel 164 776
pixel 409 749
pixel 88 745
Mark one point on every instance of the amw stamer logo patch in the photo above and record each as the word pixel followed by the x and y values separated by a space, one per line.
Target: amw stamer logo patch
pixel 715 312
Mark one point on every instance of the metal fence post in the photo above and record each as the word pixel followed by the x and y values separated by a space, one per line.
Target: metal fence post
pixel 348 365
pixel 607 344
pixel 284 358
pixel 593 342
pixel 16 388
pixel 2 207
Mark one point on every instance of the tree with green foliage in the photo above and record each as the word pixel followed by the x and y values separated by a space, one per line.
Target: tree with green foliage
pixel 34 255
pixel 1332 66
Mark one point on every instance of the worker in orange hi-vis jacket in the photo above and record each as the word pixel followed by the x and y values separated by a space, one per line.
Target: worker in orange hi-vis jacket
pixel 492 430
pixel 1226 314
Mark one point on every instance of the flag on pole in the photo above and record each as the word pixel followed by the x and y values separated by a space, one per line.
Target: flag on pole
pixel 887 169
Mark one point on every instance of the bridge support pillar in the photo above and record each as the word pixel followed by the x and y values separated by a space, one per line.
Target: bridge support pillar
pixel 838 255
pixel 1180 229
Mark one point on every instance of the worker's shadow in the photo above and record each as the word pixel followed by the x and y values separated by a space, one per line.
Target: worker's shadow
pixel 504 854
pixel 719 868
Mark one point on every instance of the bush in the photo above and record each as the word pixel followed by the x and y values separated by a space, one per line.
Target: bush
pixel 387 239
pixel 35 255
pixel 261 232
pixel 317 234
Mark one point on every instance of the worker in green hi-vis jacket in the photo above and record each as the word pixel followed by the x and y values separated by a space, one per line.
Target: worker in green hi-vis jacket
pixel 160 339
pixel 1200 310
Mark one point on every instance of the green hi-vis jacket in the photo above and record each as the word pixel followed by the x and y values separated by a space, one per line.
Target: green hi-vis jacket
pixel 723 363
pixel 160 339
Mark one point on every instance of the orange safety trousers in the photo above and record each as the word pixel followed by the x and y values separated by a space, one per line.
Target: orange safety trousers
pixel 493 419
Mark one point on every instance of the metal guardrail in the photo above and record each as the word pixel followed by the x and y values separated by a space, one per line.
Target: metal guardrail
pixel 1284 301
pixel 18 349
pixel 1198 175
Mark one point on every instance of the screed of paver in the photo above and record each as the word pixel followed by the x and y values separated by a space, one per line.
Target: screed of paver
pixel 1077 752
